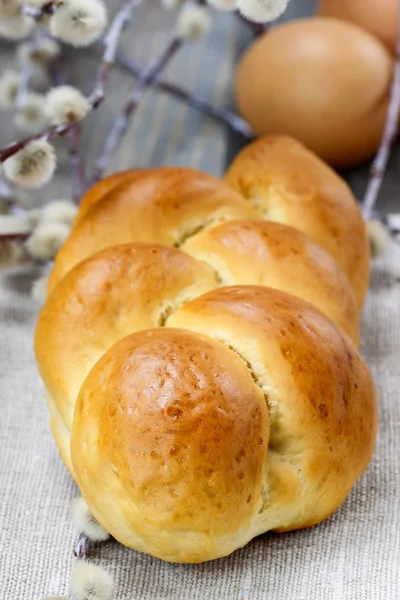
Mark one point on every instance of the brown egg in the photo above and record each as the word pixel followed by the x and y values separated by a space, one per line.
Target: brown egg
pixel 325 82
pixel 379 17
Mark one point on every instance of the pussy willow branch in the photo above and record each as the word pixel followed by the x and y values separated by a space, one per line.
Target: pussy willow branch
pixel 77 163
pixel 220 113
pixel 380 163
pixel 38 13
pixel 97 96
pixel 14 237
pixel 111 42
pixel 81 549
pixel 74 137
pixel 146 77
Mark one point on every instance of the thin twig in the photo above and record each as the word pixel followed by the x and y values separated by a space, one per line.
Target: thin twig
pixel 146 77
pixel 82 547
pixel 14 237
pixel 38 13
pixel 97 96
pixel 220 113
pixel 74 135
pixel 111 42
pixel 77 162
pixel 380 163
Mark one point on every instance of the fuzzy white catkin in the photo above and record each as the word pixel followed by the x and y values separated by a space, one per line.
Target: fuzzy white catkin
pixel 66 104
pixel 378 236
pixel 90 582
pixel 41 53
pixel 17 27
pixel 9 224
pixel 46 240
pixel 33 166
pixel 39 289
pixel 193 23
pixel 31 117
pixel 9 85
pixel 394 221
pixel 8 9
pixel 86 523
pixel 262 11
pixel 79 23
pixel 58 211
pixel 225 5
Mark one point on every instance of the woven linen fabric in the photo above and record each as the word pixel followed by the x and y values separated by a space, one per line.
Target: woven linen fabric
pixel 355 555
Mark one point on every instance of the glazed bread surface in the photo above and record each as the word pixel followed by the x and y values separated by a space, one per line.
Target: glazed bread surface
pixel 287 183
pixel 274 178
pixel 172 443
pixel 198 349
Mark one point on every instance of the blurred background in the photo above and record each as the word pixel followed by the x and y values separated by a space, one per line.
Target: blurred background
pixel 166 131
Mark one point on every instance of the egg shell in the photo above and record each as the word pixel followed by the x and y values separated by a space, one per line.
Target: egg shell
pixel 323 81
pixel 379 17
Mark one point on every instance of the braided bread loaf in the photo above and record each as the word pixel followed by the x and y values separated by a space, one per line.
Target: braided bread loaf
pixel 200 362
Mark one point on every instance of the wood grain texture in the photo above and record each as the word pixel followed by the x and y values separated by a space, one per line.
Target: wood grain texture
pixel 165 131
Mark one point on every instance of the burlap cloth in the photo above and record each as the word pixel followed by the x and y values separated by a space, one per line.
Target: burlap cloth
pixel 353 556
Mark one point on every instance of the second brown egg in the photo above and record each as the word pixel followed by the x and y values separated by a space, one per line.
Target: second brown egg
pixel 323 81
pixel 379 17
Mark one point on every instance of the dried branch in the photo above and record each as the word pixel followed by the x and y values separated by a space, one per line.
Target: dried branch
pixel 97 96
pixel 14 237
pixel 81 549
pixel 110 43
pixel 146 77
pixel 38 13
pixel 223 114
pixel 380 163
pixel 74 140
pixel 77 162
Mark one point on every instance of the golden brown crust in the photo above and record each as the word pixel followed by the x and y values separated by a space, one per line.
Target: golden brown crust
pixel 320 394
pixel 172 431
pixel 130 287
pixel 112 294
pixel 250 410
pixel 288 184
pixel 160 206
pixel 101 189
pixel 273 255
pixel 169 434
